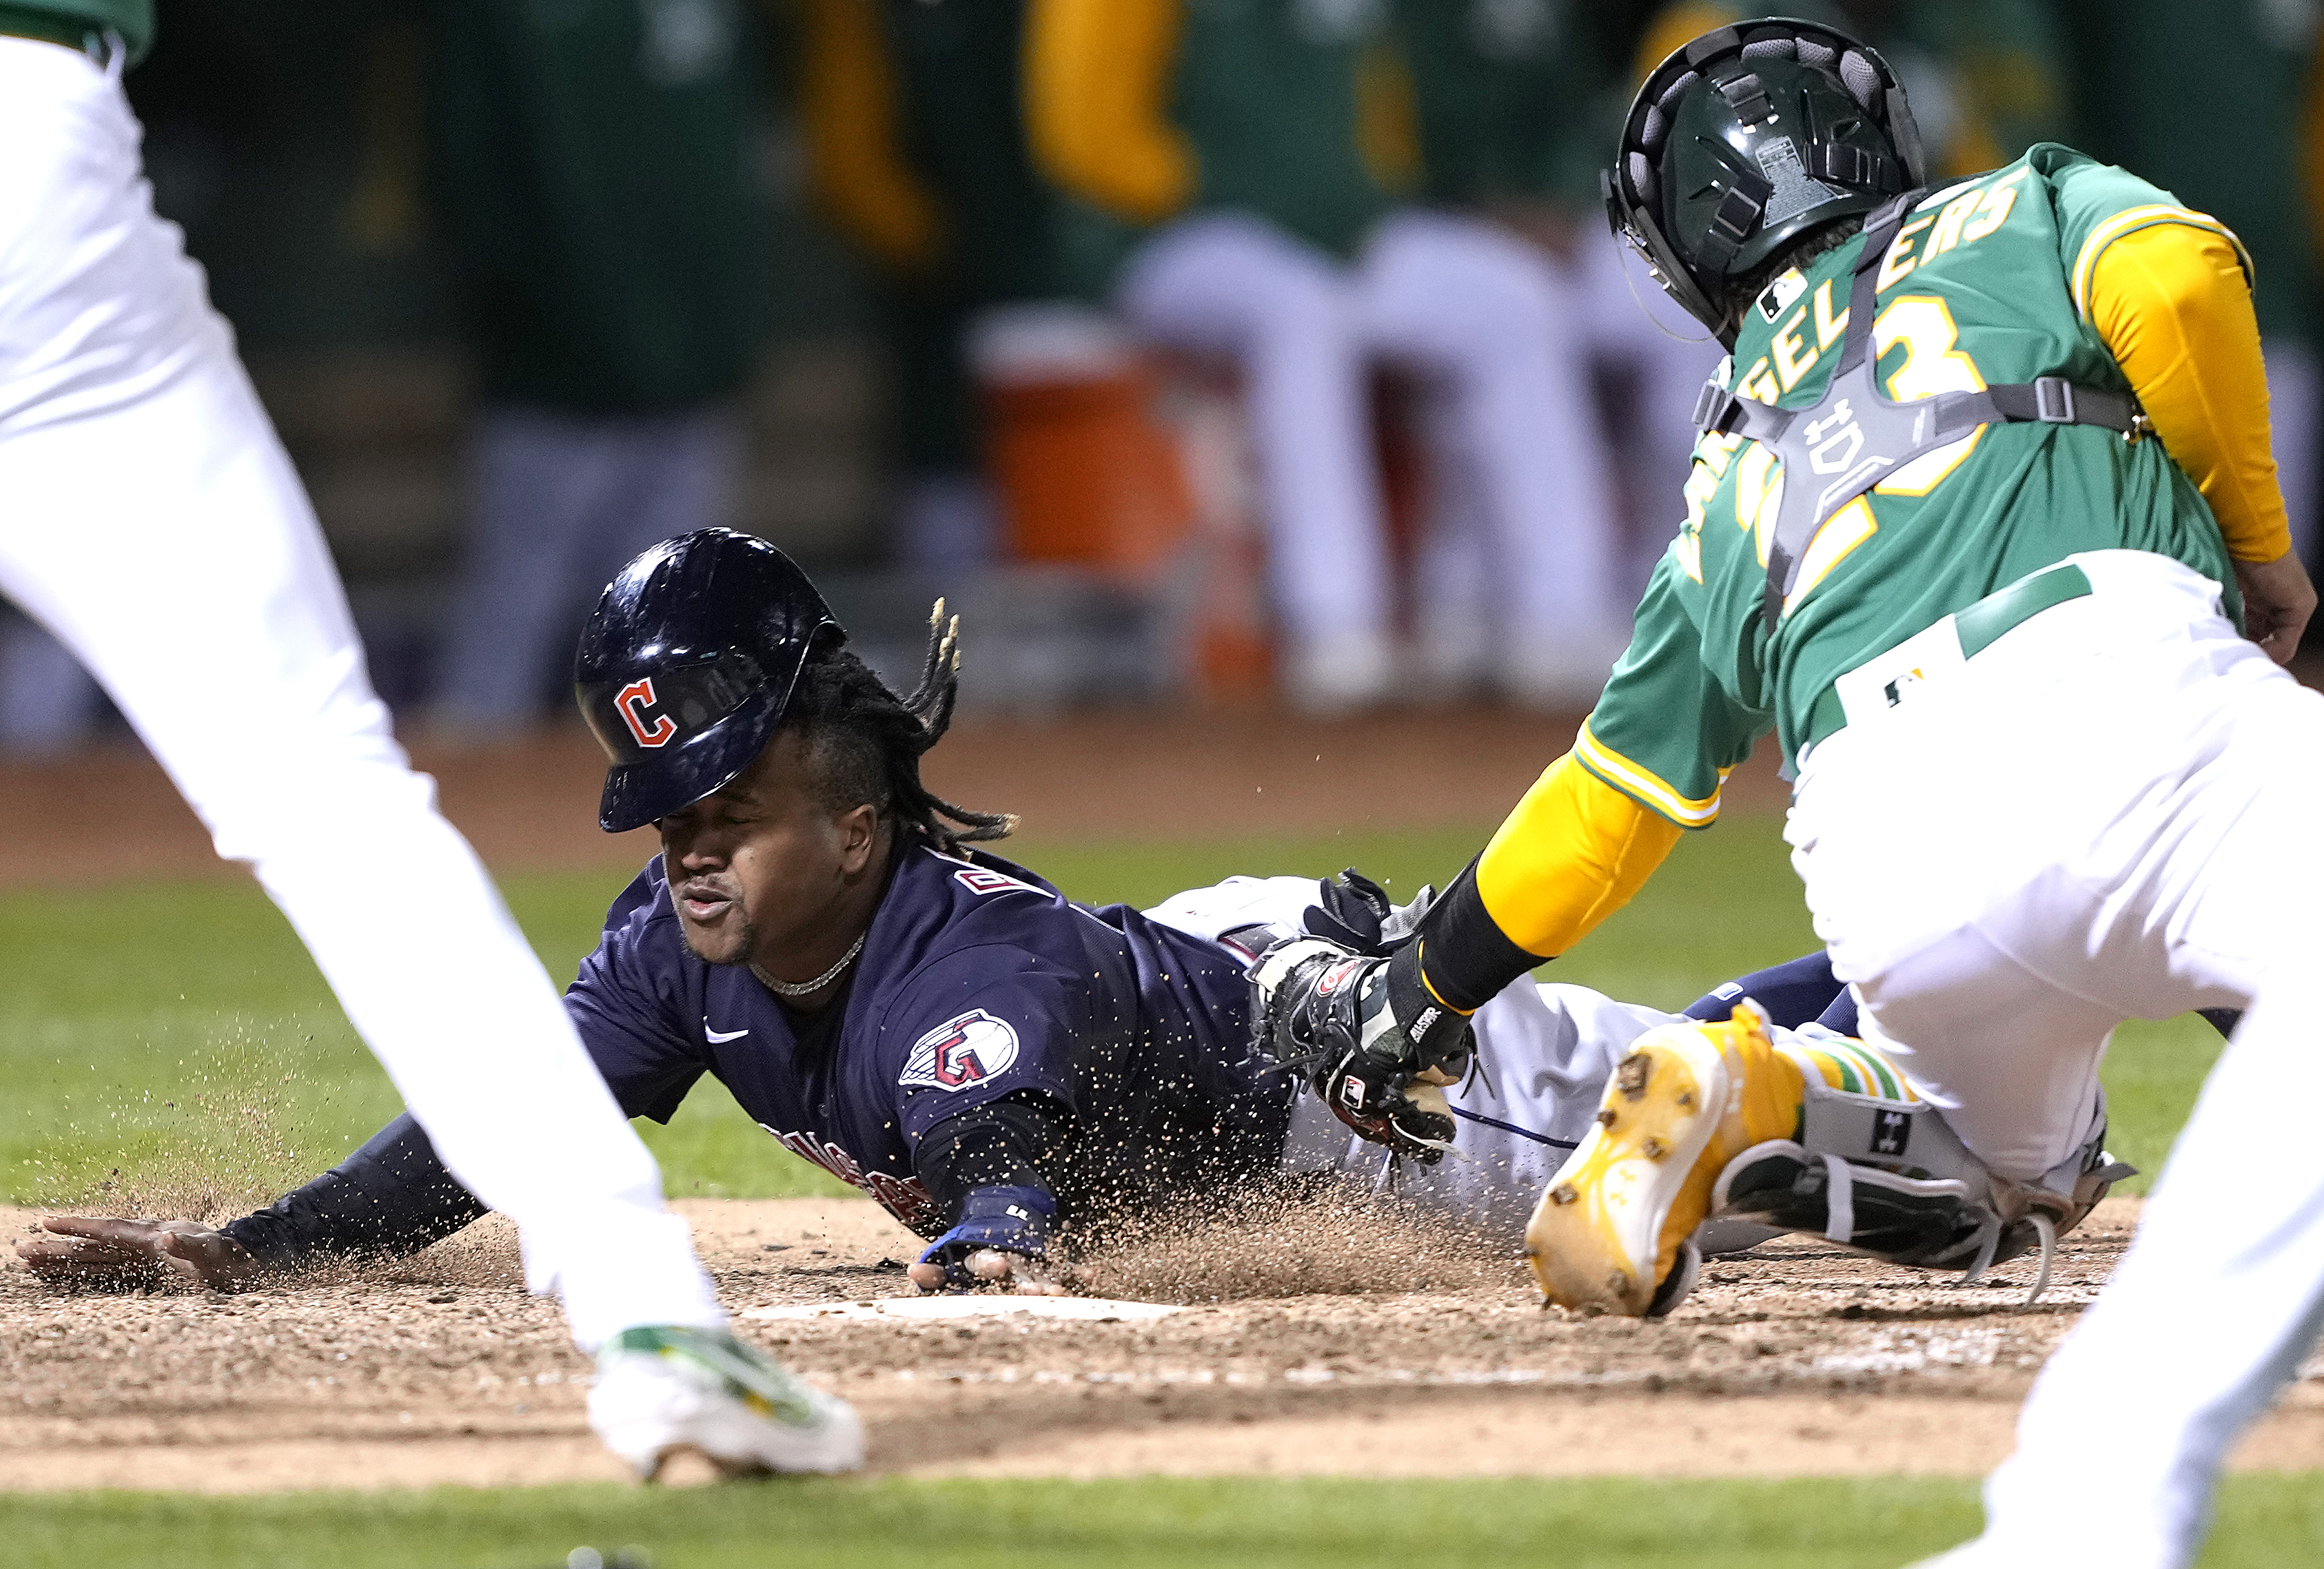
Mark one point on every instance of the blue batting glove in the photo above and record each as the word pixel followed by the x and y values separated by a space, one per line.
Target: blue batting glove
pixel 1013 1220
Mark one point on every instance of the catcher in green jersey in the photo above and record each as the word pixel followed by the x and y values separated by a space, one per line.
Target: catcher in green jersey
pixel 1981 499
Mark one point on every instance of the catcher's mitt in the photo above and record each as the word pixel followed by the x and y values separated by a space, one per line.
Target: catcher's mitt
pixel 1366 1036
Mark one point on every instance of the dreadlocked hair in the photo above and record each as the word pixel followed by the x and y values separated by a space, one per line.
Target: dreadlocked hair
pixel 865 743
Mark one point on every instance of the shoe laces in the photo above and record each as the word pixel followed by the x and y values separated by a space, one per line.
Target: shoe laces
pixel 1988 1242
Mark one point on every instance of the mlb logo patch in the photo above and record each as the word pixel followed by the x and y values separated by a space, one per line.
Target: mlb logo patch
pixel 1891 1132
pixel 961 1052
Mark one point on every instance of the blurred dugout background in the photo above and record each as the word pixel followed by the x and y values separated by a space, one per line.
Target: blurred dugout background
pixel 1197 349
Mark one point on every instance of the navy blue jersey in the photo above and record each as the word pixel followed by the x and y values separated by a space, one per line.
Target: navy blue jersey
pixel 977 981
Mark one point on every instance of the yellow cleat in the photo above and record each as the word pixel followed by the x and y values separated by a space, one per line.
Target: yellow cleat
pixel 1610 1233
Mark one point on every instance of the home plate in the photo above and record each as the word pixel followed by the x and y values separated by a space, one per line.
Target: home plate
pixel 1088 1309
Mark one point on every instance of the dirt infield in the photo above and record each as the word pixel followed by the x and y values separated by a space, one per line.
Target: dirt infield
pixel 1321 1343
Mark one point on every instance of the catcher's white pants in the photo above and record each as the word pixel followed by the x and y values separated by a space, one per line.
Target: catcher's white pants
pixel 2108 814
pixel 150 518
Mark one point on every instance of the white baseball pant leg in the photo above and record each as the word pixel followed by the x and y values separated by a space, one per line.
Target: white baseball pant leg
pixel 1230 285
pixel 1495 332
pixel 558 502
pixel 2098 819
pixel 153 522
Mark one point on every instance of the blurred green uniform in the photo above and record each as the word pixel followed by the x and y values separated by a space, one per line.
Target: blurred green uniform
pixel 1297 111
pixel 963 132
pixel 1507 95
pixel 1267 92
pixel 132 19
pixel 915 128
pixel 596 169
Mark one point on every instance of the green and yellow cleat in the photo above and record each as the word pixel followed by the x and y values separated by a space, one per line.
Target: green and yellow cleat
pixel 1610 1233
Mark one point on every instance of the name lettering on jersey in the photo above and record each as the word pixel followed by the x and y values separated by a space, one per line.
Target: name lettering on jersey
pixel 1963 220
pixel 961 1052
pixel 1900 259
pixel 634 700
pixel 902 1196
pixel 1758 382
pixel 983 879
pixel 1793 358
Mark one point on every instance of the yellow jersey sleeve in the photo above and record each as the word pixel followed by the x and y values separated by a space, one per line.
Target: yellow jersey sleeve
pixel 2173 301
pixel 849 109
pixel 1098 75
pixel 1570 854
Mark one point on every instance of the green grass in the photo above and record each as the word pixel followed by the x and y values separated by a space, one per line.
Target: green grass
pixel 1237 1524
pixel 177 1035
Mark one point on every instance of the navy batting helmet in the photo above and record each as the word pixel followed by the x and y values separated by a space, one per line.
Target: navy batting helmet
pixel 687 664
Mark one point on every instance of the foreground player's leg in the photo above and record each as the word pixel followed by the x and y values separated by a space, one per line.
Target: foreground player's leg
pixel 155 525
pixel 2219 1297
pixel 2222 1293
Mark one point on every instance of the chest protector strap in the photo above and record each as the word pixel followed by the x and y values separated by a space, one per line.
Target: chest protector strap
pixel 1855 435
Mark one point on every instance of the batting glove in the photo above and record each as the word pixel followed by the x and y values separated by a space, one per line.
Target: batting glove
pixel 1007 1220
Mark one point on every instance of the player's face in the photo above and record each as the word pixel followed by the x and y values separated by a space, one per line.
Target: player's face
pixel 763 872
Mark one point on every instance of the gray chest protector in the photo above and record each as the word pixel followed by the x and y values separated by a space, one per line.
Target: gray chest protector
pixel 1855 435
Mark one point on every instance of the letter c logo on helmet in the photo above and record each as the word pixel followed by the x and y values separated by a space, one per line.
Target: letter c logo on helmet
pixel 635 699
pixel 687 664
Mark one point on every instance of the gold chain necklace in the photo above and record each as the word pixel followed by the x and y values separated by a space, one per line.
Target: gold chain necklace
pixel 808 988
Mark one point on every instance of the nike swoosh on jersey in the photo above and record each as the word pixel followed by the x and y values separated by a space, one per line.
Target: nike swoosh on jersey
pixel 720 1037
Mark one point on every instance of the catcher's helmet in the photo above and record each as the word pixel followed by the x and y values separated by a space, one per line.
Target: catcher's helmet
pixel 1746 139
pixel 687 664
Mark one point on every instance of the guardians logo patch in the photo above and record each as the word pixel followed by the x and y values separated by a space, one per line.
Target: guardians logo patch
pixel 961 1052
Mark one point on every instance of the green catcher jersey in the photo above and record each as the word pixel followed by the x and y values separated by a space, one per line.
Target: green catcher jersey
pixel 1986 284
pixel 132 19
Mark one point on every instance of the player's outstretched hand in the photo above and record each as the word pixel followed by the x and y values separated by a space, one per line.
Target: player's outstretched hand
pixel 991 1266
pixel 2278 600
pixel 117 1255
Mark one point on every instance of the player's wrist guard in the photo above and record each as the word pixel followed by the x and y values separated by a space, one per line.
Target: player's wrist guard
pixel 1366 1036
pixel 1012 1220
